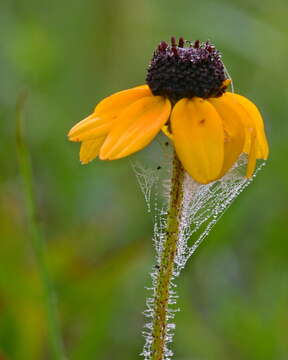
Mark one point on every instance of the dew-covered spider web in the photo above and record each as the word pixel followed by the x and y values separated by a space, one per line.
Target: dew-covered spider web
pixel 203 206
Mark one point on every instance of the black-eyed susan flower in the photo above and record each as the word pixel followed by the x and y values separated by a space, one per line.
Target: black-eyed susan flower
pixel 185 97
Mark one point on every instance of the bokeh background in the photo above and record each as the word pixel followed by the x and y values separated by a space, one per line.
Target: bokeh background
pixel 70 54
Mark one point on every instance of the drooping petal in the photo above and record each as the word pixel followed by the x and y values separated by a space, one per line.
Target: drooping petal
pixel 199 138
pixel 106 113
pixel 89 149
pixel 252 119
pixel 234 134
pixel 252 156
pixel 136 127
pixel 90 128
pixel 113 105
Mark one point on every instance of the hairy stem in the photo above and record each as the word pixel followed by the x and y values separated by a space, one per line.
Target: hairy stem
pixel 160 321
pixel 37 238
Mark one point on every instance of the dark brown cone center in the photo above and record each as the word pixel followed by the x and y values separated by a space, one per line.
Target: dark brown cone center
pixel 178 71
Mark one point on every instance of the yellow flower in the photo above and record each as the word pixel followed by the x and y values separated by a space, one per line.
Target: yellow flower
pixel 186 98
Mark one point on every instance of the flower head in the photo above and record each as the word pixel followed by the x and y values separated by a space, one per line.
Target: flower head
pixel 186 98
pixel 185 72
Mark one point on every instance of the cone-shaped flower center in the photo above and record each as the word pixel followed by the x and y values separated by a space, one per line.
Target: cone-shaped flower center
pixel 180 71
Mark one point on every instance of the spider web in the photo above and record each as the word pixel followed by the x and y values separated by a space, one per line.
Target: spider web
pixel 203 206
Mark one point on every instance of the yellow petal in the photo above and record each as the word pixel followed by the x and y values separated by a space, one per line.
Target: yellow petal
pixel 199 138
pixel 234 134
pixel 225 83
pixel 89 149
pixel 90 128
pixel 165 129
pixel 106 113
pixel 114 104
pixel 252 156
pixel 136 127
pixel 252 120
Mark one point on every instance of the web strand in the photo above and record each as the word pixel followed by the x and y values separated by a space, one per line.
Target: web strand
pixel 203 206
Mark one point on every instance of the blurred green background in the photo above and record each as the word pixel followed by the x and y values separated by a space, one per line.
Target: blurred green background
pixel 69 55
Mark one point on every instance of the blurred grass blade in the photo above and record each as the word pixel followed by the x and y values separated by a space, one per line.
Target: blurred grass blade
pixel 37 238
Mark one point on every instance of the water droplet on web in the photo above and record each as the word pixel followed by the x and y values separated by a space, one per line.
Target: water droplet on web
pixel 146 178
pixel 203 206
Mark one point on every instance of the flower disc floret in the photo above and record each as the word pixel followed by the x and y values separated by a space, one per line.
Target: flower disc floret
pixel 178 71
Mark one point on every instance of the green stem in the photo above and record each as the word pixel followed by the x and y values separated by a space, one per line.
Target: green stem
pixel 159 330
pixel 37 238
